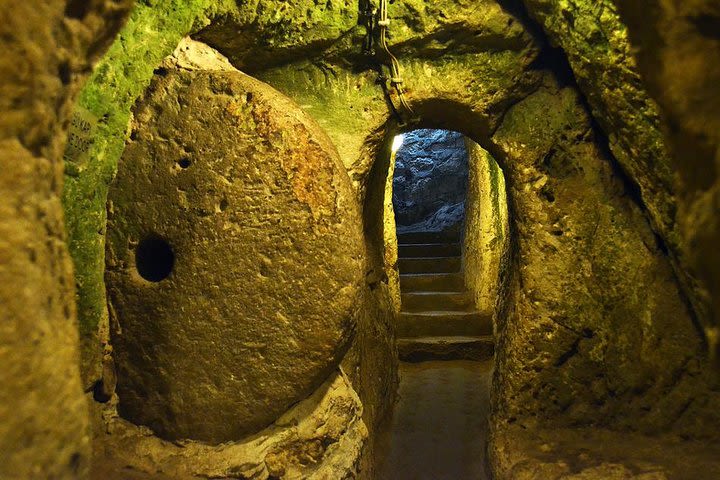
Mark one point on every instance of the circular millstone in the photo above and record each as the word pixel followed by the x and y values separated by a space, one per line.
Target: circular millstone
pixel 234 257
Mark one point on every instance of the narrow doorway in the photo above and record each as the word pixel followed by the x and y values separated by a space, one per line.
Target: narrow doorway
pixel 445 328
pixel 430 185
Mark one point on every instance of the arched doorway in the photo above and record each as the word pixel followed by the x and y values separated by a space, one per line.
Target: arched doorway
pixel 448 214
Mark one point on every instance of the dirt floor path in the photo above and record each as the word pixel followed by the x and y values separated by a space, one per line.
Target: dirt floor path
pixel 439 427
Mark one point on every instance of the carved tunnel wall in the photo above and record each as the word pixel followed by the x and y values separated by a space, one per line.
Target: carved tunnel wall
pixel 581 316
pixel 607 297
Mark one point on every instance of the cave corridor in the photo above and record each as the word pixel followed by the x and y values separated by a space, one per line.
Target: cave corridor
pixel 360 239
pixel 438 427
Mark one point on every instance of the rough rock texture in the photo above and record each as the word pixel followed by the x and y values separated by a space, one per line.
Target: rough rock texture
pixel 235 257
pixel 431 172
pixel 48 47
pixel 389 235
pixel 597 46
pixel 277 33
pixel 56 45
pixel 372 361
pixel 152 32
pixel 467 91
pixel 599 454
pixel 473 56
pixel 372 366
pixel 595 331
pixel 486 238
pixel 598 330
pixel 493 52
pixel 121 76
pixel 321 437
pixel 447 218
pixel 598 304
pixel 678 52
pixel 43 417
pixel 595 42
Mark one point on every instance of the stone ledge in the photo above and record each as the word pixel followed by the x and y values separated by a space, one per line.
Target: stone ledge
pixel 321 437
pixel 545 453
pixel 446 348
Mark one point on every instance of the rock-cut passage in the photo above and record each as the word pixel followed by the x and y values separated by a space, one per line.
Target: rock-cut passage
pixel 439 427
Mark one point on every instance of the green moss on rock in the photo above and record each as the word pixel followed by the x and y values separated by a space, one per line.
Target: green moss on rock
pixel 151 33
pixel 597 46
pixel 265 34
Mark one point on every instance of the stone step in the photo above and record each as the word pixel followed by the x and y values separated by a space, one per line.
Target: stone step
pixel 429 250
pixel 443 324
pixel 428 237
pixel 438 301
pixel 446 348
pixel 432 282
pixel 429 265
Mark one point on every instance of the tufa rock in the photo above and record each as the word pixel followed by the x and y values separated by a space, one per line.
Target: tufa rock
pixel 234 257
pixel 676 44
pixel 321 437
pixel 48 48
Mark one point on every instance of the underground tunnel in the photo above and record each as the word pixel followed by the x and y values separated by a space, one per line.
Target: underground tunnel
pixel 442 200
pixel 372 240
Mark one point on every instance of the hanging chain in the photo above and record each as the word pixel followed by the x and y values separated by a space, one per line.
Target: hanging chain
pixel 377 24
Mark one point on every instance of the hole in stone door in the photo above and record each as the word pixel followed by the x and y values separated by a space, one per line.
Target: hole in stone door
pixel 154 258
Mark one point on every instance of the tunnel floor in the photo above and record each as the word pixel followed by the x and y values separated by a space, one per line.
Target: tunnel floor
pixel 439 427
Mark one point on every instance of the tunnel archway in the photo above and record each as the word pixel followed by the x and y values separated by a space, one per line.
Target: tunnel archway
pixel 448 259
pixel 486 175
pixel 451 233
pixel 551 322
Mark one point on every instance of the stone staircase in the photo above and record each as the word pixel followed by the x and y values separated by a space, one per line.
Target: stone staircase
pixel 438 320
